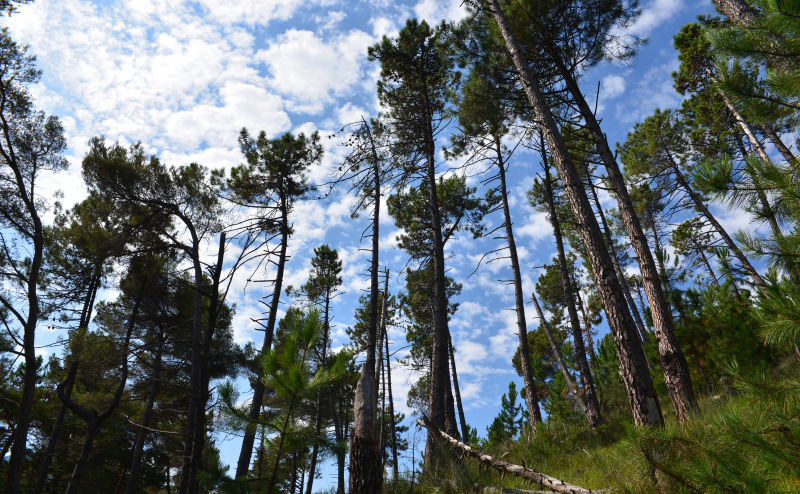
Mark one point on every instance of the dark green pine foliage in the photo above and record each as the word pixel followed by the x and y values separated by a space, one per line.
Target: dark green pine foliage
pixel 508 422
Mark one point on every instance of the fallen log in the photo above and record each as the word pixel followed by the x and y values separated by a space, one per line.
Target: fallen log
pixel 504 467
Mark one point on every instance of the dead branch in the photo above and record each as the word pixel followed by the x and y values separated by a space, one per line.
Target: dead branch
pixel 544 481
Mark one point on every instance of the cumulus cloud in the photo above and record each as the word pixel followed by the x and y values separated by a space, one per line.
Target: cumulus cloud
pixel 654 14
pixel 310 70
pixel 613 86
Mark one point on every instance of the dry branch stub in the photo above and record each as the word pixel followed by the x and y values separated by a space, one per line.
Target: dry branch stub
pixel 504 467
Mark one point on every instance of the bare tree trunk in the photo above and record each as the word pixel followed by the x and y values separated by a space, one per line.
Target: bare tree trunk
pixel 641 393
pixel 246 452
pixel 573 389
pixel 615 259
pixel 773 136
pixel 708 266
pixel 766 207
pixel 519 297
pixel 395 469
pixel 202 393
pixel 318 416
pixel 365 458
pixel 461 419
pixel 676 372
pixel 593 414
pixel 439 404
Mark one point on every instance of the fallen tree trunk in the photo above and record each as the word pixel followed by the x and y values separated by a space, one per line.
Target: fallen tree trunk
pixel 542 480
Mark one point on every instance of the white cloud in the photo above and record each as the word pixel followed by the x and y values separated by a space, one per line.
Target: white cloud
pixel 535 226
pixel 434 11
pixel 311 71
pixel 652 90
pixel 654 14
pixel 250 11
pixel 613 86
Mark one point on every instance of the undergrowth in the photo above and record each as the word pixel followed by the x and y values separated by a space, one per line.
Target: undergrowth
pixel 745 440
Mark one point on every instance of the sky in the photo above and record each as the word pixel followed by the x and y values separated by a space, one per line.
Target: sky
pixel 184 76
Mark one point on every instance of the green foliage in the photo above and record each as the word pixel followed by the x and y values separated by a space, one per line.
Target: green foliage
pixel 509 421
pixel 287 371
pixel 770 42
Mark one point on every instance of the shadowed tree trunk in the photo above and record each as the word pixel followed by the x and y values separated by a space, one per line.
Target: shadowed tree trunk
pixel 461 418
pixel 138 449
pixel 365 458
pixel 673 362
pixel 592 405
pixel 395 469
pixel 248 441
pixel 641 393
pixel 519 297
pixel 625 288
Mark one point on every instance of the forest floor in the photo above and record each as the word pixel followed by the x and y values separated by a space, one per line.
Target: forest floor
pixel 745 438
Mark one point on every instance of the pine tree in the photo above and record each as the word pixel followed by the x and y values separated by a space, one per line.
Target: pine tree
pixel 643 400
pixel 269 184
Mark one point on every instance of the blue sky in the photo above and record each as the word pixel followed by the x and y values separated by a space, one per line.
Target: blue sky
pixel 183 77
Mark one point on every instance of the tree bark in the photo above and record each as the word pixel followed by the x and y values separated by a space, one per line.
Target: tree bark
pixel 641 393
pixel 615 259
pixel 395 469
pixel 44 469
pixel 245 454
pixel 773 136
pixel 440 374
pixel 138 449
pixel 593 414
pixel 519 297
pixel 94 420
pixel 461 418
pixel 365 458
pixel 318 416
pixel 542 480
pixel 573 389
pixel 676 372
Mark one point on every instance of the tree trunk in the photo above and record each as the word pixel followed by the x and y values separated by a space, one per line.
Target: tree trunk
pixel 519 297
pixel 200 392
pixel 698 202
pixel 19 445
pixel 593 414
pixel 457 391
pixel 615 259
pixel 318 416
pixel 53 439
pixel 773 136
pixel 187 481
pixel 138 449
pixel 673 362
pixel 243 464
pixel 766 207
pixel 93 419
pixel 641 393
pixel 365 458
pixel 708 265
pixel 395 469
pixel 440 373
pixel 573 389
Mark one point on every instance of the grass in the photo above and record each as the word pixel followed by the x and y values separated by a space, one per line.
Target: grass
pixel 746 443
